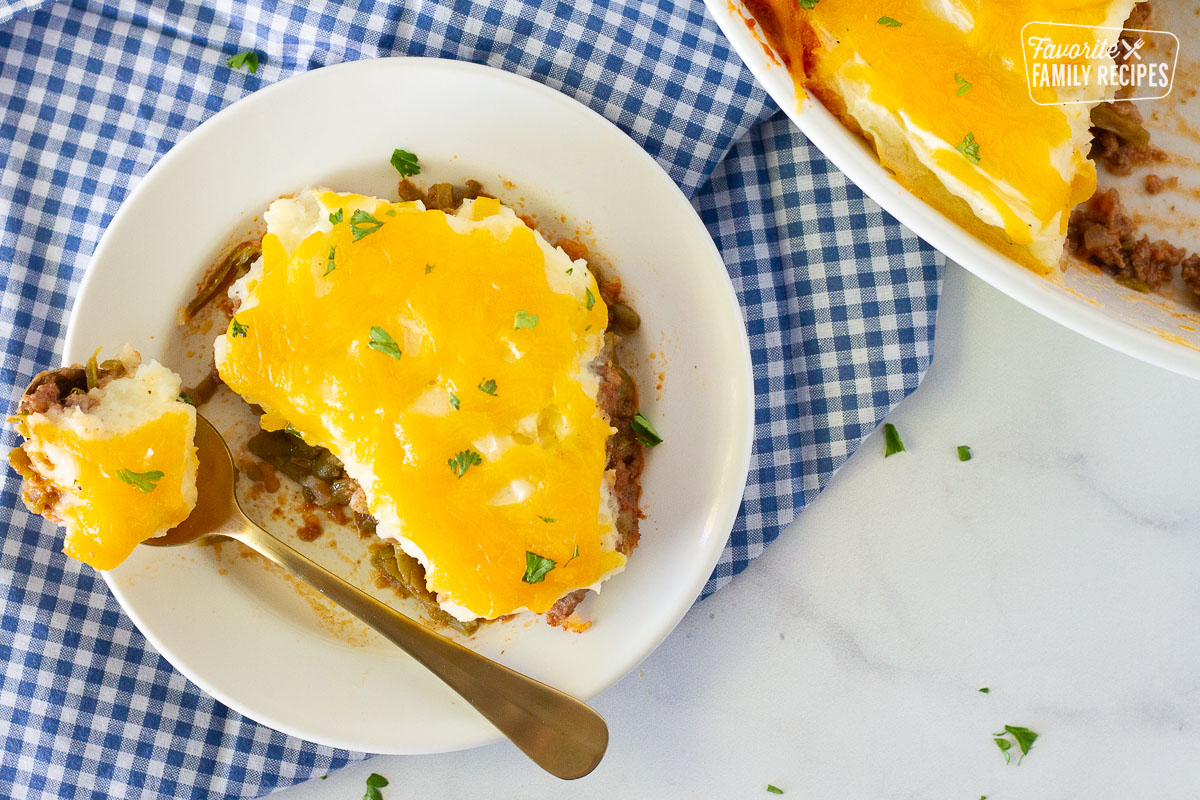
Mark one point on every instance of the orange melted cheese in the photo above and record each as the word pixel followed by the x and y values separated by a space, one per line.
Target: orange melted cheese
pixel 902 82
pixel 448 295
pixel 105 516
pixel 912 68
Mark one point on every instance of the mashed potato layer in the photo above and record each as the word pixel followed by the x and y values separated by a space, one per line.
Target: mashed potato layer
pixel 115 470
pixel 445 360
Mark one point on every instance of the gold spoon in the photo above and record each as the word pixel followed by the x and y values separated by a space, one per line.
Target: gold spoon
pixel 561 734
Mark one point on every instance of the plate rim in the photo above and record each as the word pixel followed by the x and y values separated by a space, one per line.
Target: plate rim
pixel 849 155
pixel 654 171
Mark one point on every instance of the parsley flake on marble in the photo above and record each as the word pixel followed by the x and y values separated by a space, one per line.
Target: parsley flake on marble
pixel 891 440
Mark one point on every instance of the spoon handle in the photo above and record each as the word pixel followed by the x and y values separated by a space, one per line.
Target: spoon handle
pixel 562 735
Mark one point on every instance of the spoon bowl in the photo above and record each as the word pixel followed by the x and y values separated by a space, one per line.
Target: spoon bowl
pixel 216 501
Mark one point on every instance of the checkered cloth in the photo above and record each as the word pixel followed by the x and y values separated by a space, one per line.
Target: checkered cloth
pixel 839 302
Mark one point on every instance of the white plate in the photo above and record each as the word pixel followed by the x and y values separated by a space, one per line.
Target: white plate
pixel 1162 330
pixel 248 637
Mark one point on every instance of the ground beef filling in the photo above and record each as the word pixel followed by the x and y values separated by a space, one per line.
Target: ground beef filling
pixel 67 387
pixel 1100 231
pixel 1189 270
pixel 1157 185
pixel 1119 140
pixel 1103 234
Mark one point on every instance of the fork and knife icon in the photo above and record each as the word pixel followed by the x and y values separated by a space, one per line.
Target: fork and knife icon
pixel 1131 49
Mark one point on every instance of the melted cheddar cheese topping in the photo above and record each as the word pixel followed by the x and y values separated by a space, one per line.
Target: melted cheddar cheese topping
pixel 953 68
pixel 444 358
pixel 108 516
pixel 139 431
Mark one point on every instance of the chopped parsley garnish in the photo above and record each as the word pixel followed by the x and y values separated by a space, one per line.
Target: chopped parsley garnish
pixel 985 690
pixel 964 453
pixel 428 268
pixel 591 299
pixel 574 556
pixel 237 330
pixel 536 567
pixel 405 163
pixel 375 782
pixel 572 269
pixel 888 22
pixel 184 396
pixel 454 401
pixel 524 319
pixel 146 481
pixel 337 217
pixel 808 5
pixel 363 224
pixel 643 431
pixel 773 789
pixel 381 341
pixel 488 387
pixel 964 86
pixel 464 461
pixel 289 429
pixel 891 440
pixel 246 58
pixel 969 148
pixel 329 265
pixel 546 519
pixel 1023 737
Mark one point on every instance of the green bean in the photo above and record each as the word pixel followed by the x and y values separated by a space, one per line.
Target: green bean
pixel 1131 282
pixel 411 573
pixel 441 196
pixel 1110 118
pixel 623 319
pixel 383 558
pixel 327 467
pixel 92 371
pixel 341 491
pixel 268 444
pixel 408 578
pixel 238 261
pixel 409 191
pixel 203 391
pixel 325 494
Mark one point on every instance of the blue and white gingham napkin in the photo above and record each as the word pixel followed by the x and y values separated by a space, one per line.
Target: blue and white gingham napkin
pixel 839 302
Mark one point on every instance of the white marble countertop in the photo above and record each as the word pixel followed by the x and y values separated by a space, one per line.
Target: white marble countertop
pixel 1060 567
